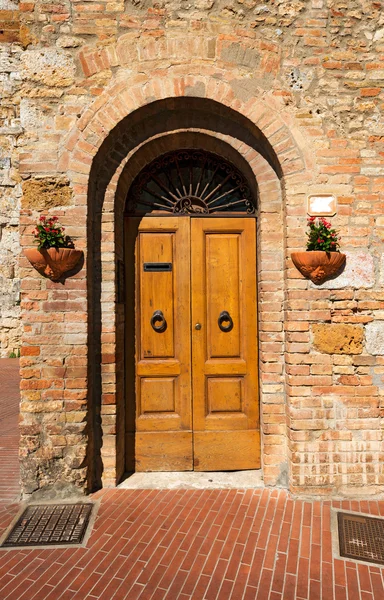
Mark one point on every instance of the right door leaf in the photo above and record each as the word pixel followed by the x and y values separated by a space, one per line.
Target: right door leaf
pixel 224 351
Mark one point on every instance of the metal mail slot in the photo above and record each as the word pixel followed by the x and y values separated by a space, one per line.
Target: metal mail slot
pixel 155 267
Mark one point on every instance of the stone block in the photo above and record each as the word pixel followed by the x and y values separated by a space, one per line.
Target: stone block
pixel 48 66
pixel 31 116
pixel 374 338
pixel 46 193
pixel 359 272
pixel 67 41
pixel 334 338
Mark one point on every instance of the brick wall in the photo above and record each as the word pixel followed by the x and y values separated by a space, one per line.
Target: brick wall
pixel 10 24
pixel 296 89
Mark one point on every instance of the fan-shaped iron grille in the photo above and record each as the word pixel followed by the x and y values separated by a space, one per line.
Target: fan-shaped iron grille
pixel 189 182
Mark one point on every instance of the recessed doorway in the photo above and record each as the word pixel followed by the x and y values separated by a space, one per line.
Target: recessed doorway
pixel 191 320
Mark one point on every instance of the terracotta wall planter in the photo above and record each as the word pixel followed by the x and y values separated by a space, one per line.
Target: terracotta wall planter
pixel 318 265
pixel 53 262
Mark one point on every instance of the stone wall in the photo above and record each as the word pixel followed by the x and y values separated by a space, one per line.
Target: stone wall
pixel 310 77
pixel 10 189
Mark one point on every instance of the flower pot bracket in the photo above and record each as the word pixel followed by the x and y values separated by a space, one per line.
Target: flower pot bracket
pixel 53 262
pixel 318 265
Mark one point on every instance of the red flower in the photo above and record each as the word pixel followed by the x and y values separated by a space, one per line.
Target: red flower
pixel 319 240
pixel 325 223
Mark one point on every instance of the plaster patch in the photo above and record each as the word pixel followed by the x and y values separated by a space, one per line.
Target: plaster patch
pixel 237 54
pixel 374 338
pixel 299 79
pixel 359 272
pixel 244 89
pixel 8 5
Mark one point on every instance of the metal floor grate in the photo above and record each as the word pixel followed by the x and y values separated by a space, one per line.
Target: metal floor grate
pixel 50 525
pixel 361 537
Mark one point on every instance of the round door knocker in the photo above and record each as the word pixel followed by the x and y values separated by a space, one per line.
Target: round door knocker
pixel 158 322
pixel 225 317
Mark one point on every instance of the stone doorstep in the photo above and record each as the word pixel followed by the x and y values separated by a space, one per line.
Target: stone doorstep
pixel 194 480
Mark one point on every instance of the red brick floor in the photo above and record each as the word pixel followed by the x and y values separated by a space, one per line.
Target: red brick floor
pixel 9 434
pixel 193 544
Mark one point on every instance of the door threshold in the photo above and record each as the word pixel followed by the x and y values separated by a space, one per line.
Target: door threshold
pixel 193 480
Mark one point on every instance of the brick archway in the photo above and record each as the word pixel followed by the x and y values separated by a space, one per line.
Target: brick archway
pixel 270 275
pixel 264 120
pixel 271 284
pixel 120 120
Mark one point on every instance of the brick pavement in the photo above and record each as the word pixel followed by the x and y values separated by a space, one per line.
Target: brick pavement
pixel 195 544
pixel 187 544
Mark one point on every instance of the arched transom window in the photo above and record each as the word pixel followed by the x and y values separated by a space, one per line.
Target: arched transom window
pixel 189 182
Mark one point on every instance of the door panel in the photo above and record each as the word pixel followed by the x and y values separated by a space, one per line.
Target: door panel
pixel 222 451
pixel 163 394
pixel 224 367
pixel 222 266
pixel 156 292
pixel 164 451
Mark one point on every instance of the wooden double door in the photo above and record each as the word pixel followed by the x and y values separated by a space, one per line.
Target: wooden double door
pixel 196 367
